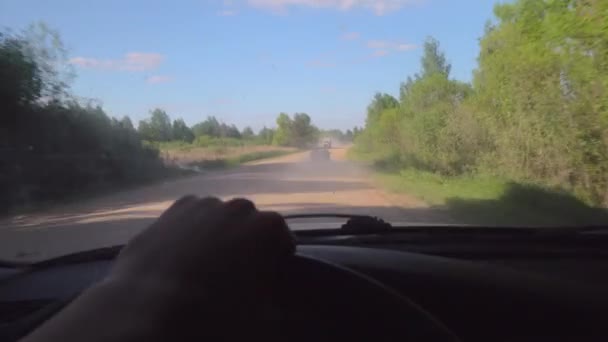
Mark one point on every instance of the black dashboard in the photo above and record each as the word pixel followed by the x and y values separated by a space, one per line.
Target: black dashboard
pixel 492 291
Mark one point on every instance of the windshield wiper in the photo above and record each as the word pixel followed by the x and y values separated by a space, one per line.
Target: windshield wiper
pixel 356 224
pixel 366 224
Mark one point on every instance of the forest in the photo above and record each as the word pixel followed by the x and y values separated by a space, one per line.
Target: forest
pixel 536 111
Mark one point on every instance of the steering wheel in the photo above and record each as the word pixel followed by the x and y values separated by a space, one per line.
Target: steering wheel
pixel 319 300
pixel 323 301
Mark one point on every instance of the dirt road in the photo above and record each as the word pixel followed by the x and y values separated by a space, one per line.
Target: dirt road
pixel 289 184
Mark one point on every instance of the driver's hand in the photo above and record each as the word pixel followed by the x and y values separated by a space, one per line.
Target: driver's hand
pixel 223 246
pixel 205 270
pixel 221 256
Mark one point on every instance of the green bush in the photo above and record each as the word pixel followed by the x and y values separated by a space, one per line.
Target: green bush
pixel 202 141
pixel 536 111
pixel 208 141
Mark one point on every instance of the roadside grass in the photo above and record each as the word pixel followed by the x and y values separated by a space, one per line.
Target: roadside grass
pixel 218 163
pixel 185 156
pixel 204 142
pixel 436 190
pixel 485 199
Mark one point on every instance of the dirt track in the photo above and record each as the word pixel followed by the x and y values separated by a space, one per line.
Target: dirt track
pixel 289 184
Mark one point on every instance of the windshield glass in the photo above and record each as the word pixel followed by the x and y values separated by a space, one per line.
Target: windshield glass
pixel 415 111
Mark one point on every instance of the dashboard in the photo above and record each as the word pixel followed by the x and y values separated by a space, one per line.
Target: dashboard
pixel 498 298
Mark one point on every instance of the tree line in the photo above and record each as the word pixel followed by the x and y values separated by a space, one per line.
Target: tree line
pixel 536 109
pixel 295 131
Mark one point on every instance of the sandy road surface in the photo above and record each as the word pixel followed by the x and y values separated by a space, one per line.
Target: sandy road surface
pixel 289 184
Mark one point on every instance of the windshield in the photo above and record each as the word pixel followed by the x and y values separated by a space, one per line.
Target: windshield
pixel 418 112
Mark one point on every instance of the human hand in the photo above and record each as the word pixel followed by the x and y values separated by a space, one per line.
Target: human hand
pixel 204 270
pixel 205 242
pixel 207 263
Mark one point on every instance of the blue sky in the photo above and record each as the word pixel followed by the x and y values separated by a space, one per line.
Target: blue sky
pixel 245 61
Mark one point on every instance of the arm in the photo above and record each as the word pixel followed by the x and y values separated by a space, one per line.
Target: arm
pixel 202 265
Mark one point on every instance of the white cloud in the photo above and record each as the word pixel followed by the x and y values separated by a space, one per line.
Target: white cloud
pixel 377 44
pixel 383 47
pixel 379 7
pixel 132 61
pixel 380 53
pixel 157 79
pixel 226 13
pixel 350 36
pixel 406 47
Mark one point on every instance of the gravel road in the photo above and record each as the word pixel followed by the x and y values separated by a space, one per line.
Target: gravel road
pixel 288 184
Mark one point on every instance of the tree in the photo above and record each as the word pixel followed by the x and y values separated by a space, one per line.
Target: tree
pixel 181 131
pixel 210 127
pixel 405 89
pixel 266 135
pixel 303 133
pixel 144 130
pixel 433 60
pixel 161 125
pixel 33 68
pixel 229 131
pixel 282 135
pixel 414 130
pixel 297 131
pixel 248 133
pixel 349 136
pixel 37 62
pixel 380 103
pixel 126 123
pixel 26 82
pixel 157 127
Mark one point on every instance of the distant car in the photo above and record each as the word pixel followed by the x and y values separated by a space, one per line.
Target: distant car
pixel 319 154
pixel 327 143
